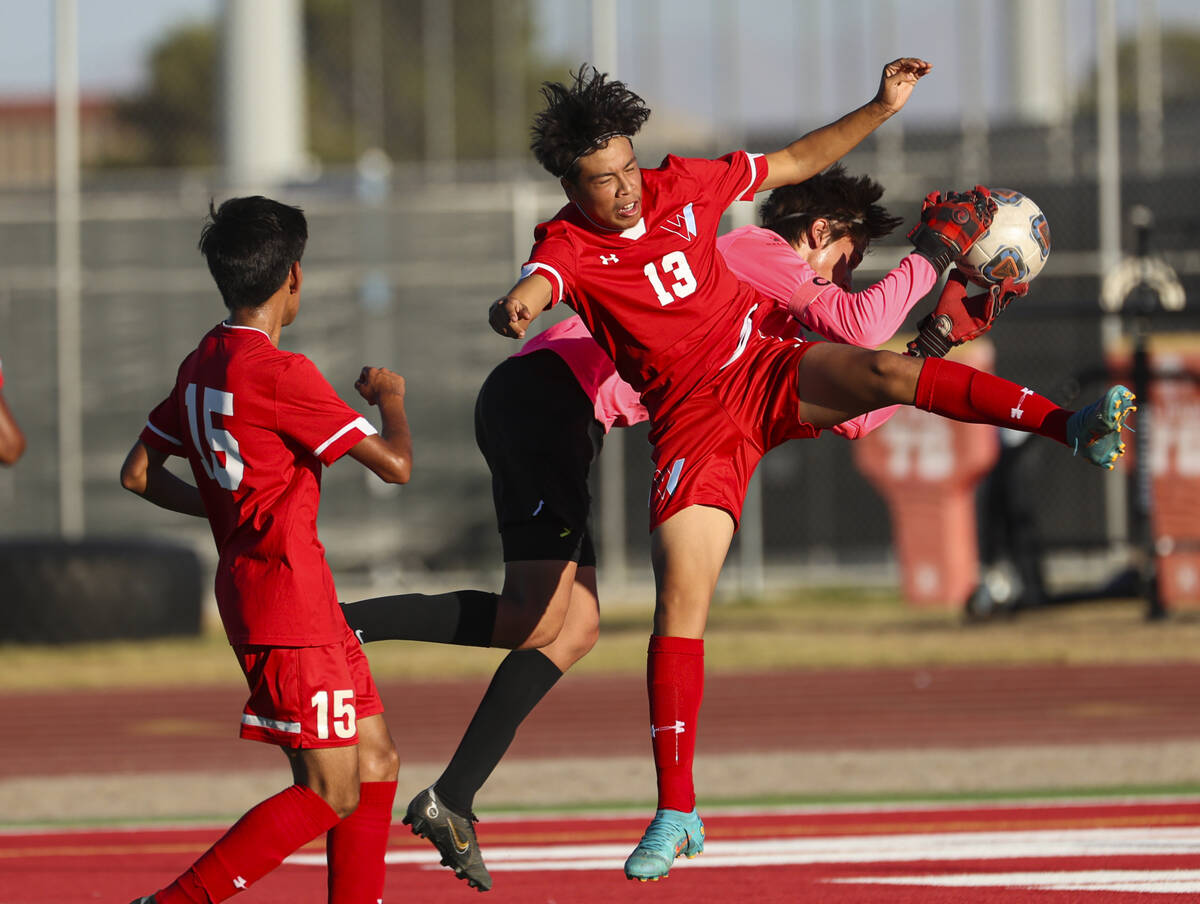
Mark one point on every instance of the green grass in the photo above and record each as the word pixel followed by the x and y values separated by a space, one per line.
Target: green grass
pixel 819 628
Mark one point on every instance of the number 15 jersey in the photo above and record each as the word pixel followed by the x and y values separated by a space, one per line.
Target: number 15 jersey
pixel 657 297
pixel 256 424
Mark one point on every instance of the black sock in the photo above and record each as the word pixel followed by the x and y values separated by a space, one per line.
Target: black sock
pixel 462 617
pixel 521 680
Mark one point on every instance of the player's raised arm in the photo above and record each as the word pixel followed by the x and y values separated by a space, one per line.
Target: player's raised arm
pixel 388 454
pixel 512 314
pixel 818 149
pixel 144 472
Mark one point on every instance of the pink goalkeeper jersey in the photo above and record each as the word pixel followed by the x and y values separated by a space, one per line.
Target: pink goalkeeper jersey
pixel 256 424
pixel 615 402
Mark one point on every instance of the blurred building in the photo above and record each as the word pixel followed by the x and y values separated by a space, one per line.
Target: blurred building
pixel 27 138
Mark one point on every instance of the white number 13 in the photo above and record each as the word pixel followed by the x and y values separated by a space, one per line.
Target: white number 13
pixel 675 264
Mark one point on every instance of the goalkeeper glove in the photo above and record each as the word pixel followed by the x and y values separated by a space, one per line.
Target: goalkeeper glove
pixel 959 318
pixel 951 223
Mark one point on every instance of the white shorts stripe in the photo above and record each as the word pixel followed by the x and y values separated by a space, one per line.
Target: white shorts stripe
pixel 272 724
pixel 361 424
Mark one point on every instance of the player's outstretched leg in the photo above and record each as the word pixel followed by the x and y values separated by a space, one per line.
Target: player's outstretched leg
pixel 452 834
pixel 1095 431
pixel 669 834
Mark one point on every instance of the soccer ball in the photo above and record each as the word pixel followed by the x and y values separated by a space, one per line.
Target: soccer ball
pixel 1015 245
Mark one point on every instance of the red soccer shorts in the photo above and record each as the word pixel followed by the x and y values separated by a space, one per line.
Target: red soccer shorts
pixel 707 447
pixel 306 697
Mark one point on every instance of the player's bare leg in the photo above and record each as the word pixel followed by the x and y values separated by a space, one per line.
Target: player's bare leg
pixel 533 603
pixel 837 382
pixel 443 813
pixel 687 550
pixel 581 627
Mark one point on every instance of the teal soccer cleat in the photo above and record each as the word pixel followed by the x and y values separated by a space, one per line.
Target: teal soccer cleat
pixel 1095 431
pixel 669 834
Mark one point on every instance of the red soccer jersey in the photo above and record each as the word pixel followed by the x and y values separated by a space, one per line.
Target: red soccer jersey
pixel 657 296
pixel 256 424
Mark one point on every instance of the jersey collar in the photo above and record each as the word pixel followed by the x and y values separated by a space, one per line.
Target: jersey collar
pixel 253 329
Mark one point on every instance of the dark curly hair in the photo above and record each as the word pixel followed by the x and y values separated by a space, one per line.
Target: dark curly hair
pixel 847 202
pixel 580 118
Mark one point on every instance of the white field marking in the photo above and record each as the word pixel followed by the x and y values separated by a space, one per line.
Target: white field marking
pixel 913 847
pixel 1173 882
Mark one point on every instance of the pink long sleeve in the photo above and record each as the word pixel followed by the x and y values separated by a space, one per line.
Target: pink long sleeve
pixel 870 317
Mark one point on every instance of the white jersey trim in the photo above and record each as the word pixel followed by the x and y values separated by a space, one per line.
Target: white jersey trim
pixel 533 266
pixel 165 436
pixel 360 423
pixel 753 172
pixel 236 326
pixel 272 724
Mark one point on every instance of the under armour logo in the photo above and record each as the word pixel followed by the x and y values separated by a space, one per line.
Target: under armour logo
pixel 1018 411
pixel 683 224
pixel 677 728
pixel 240 883
pixel 607 259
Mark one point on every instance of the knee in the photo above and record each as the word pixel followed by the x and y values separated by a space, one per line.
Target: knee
pixel 581 643
pixel 343 799
pixel 892 375
pixel 546 631
pixel 534 620
pixel 379 765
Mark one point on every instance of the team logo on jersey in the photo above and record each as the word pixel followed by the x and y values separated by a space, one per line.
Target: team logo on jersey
pixel 683 224
pixel 664 482
pixel 607 259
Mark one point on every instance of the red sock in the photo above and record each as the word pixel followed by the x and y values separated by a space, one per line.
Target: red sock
pixel 354 848
pixel 675 680
pixel 963 393
pixel 255 845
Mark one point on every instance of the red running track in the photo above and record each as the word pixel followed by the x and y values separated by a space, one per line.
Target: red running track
pixel 1107 853
pixel 966 707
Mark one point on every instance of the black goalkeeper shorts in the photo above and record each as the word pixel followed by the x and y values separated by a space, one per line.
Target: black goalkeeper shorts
pixel 538 431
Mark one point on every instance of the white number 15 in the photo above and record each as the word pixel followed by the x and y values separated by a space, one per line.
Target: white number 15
pixel 229 474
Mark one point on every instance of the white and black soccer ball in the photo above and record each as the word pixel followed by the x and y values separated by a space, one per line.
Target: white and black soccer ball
pixel 1015 245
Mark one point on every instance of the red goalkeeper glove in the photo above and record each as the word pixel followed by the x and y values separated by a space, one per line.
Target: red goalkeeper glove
pixel 951 223
pixel 959 318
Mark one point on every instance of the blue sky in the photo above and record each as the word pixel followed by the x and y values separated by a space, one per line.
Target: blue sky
pixel 779 50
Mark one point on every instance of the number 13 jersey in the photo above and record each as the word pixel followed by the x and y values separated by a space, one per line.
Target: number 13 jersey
pixel 657 297
pixel 256 424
